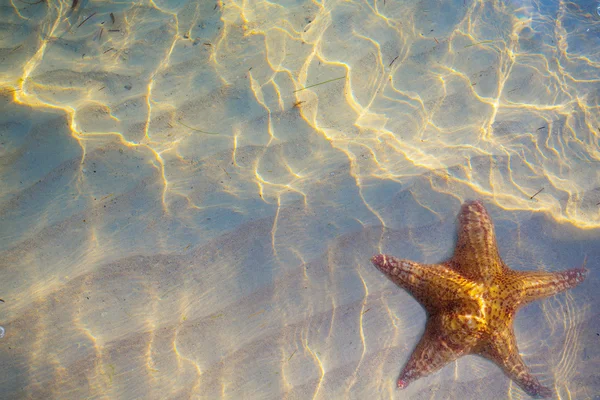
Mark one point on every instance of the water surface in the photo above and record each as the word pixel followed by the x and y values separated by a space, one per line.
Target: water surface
pixel 191 191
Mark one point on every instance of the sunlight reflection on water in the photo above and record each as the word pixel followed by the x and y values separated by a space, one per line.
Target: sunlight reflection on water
pixel 192 190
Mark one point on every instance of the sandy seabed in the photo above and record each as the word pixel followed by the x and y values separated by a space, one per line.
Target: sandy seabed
pixel 190 191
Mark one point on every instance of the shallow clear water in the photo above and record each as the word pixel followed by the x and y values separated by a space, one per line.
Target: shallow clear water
pixel 191 191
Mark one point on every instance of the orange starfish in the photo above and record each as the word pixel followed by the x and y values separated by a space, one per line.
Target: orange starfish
pixel 471 301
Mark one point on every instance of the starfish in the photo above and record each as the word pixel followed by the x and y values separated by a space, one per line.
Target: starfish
pixel 471 301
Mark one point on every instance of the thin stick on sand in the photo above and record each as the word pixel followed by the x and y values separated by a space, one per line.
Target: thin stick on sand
pixel 475 44
pixel 197 130
pixel 322 83
pixel 83 22
pixel 536 193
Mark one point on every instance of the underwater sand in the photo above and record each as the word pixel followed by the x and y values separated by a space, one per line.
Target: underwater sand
pixel 190 191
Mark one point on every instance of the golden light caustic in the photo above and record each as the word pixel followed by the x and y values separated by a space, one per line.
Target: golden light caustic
pixel 471 300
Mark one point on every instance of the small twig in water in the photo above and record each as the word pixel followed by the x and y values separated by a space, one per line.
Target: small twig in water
pixel 393 61
pixel 198 130
pixel 83 22
pixel 292 355
pixel 536 193
pixel 475 44
pixel 15 49
pixel 321 83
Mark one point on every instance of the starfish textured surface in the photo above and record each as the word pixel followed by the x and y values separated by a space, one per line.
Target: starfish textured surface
pixel 471 300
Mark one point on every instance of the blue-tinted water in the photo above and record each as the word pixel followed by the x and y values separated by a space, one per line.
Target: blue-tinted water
pixel 191 191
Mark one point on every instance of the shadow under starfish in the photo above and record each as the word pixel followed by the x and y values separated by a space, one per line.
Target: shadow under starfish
pixel 471 301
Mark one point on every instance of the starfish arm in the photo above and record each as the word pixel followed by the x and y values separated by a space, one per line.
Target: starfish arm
pixel 433 286
pixel 476 253
pixel 501 348
pixel 435 349
pixel 538 285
